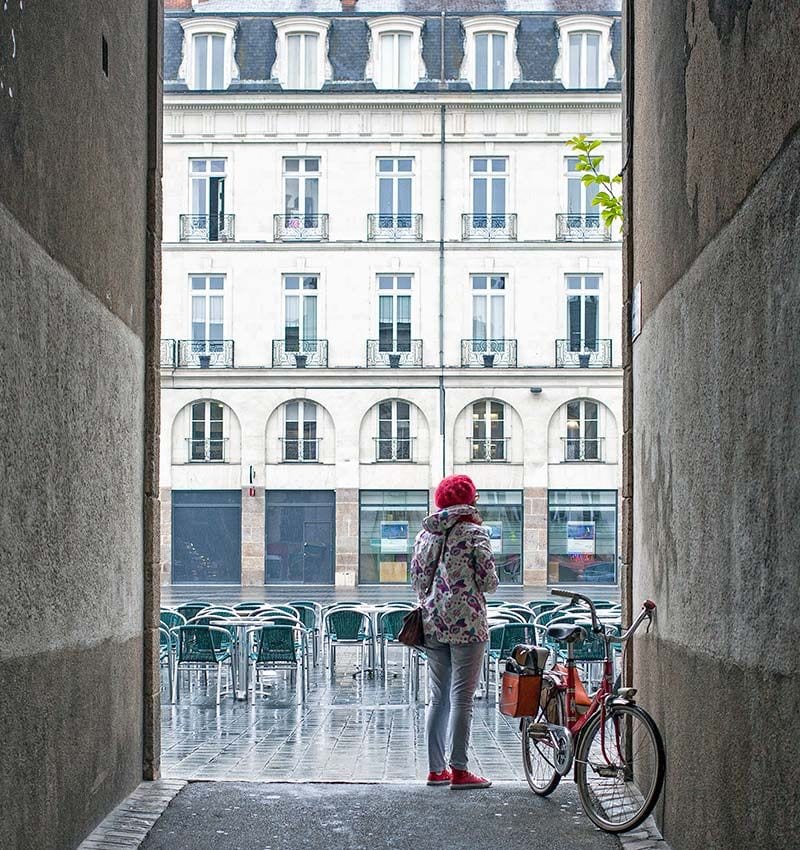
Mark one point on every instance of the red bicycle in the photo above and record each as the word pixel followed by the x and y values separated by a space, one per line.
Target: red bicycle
pixel 614 744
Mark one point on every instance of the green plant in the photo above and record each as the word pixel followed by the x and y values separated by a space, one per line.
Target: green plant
pixel 607 199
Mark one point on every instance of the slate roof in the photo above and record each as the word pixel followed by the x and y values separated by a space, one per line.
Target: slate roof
pixel 537 39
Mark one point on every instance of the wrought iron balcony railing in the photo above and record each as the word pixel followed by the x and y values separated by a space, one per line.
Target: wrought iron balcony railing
pixel 584 449
pixel 205 353
pixel 300 353
pixel 399 353
pixel 394 228
pixel 583 353
pixel 207 228
pixel 488 451
pixel 399 450
pixel 300 227
pixel 169 349
pixel 489 352
pixel 214 450
pixel 581 227
pixel 489 227
pixel 300 449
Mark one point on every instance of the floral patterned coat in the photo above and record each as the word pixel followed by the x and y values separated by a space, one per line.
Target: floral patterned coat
pixel 454 611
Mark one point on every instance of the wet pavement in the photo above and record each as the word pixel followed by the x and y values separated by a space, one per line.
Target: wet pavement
pixel 247 816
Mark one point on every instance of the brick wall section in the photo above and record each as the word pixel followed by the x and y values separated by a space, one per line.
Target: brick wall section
pixel 346 536
pixel 252 537
pixel 166 535
pixel 534 536
pixel 178 4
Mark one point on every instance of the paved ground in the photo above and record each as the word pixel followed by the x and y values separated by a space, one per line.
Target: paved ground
pixel 350 728
pixel 251 816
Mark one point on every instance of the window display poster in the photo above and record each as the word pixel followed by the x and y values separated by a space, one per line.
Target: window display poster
pixel 580 538
pixel 394 538
pixel 495 530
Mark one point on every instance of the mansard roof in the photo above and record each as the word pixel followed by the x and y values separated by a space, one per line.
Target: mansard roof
pixel 348 39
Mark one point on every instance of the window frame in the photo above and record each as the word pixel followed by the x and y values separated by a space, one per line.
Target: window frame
pixel 207 422
pixel 395 25
pixel 490 295
pixel 583 292
pixel 300 293
pixel 574 25
pixel 504 440
pixel 395 292
pixel 207 293
pixel 286 27
pixel 579 432
pixel 394 438
pixel 209 27
pixel 302 404
pixel 491 24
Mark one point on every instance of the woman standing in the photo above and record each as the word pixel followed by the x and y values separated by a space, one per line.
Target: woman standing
pixel 452 568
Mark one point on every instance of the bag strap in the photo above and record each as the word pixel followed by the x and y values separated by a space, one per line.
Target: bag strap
pixel 438 560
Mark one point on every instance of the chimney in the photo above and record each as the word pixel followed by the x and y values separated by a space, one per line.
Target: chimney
pixel 349 5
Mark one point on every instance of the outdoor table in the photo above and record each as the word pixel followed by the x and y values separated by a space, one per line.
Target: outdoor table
pixel 240 657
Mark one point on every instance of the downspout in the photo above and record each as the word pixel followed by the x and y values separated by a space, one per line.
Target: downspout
pixel 442 119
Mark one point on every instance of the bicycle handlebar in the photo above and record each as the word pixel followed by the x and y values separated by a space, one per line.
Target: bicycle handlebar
pixel 648 606
pixel 570 594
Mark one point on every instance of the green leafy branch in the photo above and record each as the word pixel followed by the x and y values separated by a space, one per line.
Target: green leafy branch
pixel 607 199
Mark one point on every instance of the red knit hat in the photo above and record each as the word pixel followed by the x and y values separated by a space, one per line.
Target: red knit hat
pixel 455 490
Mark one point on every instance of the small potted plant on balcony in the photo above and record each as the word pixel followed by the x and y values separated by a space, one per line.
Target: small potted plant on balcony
pixel 205 360
pixel 583 359
pixel 488 360
pixel 394 361
pixel 300 360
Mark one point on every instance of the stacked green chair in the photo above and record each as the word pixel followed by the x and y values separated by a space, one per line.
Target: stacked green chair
pixel 310 616
pixel 190 610
pixel 276 648
pixel 204 648
pixel 345 626
pixel 390 622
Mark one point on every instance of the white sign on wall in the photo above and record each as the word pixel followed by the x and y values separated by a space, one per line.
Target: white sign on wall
pixel 580 538
pixel 394 538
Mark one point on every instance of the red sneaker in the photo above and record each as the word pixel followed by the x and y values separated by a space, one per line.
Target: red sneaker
pixel 463 779
pixel 443 777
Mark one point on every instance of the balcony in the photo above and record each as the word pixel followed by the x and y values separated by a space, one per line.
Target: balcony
pixel 489 352
pixel 578 450
pixel 169 348
pixel 297 227
pixel 400 450
pixel 300 449
pixel 483 227
pixel 382 227
pixel 488 451
pixel 207 228
pixel 299 353
pixel 581 227
pixel 406 353
pixel 205 353
pixel 207 451
pixel 574 353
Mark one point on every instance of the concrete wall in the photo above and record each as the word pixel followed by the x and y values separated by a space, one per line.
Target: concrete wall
pixel 715 229
pixel 78 227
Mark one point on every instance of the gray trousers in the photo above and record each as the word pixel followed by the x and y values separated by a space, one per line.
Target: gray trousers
pixel 455 670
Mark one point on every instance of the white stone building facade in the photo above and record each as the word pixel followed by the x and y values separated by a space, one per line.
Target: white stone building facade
pixel 365 290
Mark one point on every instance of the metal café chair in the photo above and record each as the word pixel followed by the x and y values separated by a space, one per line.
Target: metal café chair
pixel 345 625
pixel 202 647
pixel 280 646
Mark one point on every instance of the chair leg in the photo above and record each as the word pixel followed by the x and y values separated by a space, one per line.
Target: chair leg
pixel 219 682
pixel 176 673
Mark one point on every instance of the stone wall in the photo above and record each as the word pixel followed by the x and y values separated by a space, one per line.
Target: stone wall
pixel 535 536
pixel 347 536
pixel 79 232
pixel 714 231
pixel 253 540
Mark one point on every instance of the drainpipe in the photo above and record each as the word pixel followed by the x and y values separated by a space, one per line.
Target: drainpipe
pixel 442 408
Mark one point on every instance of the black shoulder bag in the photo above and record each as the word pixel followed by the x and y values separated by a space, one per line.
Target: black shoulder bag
pixel 413 633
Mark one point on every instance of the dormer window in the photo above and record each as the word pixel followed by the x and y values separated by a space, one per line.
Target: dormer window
pixel 395 54
pixel 209 54
pixel 490 53
pixel 301 61
pixel 584 47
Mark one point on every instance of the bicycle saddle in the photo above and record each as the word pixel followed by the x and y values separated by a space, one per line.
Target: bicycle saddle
pixel 567 633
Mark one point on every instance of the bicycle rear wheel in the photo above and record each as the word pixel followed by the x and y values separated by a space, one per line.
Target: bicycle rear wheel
pixel 539 747
pixel 619 767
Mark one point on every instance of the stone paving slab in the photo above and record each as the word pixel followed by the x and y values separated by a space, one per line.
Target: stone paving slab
pixel 250 816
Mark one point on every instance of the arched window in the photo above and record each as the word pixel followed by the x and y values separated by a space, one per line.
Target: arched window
pixel 489 52
pixel 300 432
pixel 209 60
pixel 584 60
pixel 395 61
pixel 583 440
pixel 301 61
pixel 488 440
pixel 394 441
pixel 207 441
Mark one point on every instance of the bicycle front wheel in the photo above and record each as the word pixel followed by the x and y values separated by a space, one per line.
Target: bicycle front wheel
pixel 619 767
pixel 539 747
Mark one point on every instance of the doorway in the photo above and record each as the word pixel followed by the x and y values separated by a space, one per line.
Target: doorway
pixel 300 536
pixel 206 536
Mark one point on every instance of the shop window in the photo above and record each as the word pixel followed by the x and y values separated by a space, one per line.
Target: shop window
pixel 389 522
pixel 582 537
pixel 501 511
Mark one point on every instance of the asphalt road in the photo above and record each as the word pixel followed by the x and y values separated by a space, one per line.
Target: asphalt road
pixel 324 816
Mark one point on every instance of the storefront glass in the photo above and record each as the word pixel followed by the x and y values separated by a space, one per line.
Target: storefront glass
pixel 389 522
pixel 502 514
pixel 582 537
